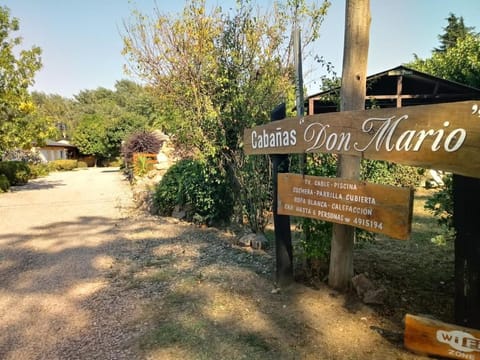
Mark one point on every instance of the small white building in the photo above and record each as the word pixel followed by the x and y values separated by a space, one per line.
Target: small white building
pixel 57 150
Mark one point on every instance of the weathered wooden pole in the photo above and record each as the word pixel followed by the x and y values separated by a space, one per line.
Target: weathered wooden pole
pixel 466 198
pixel 353 91
pixel 283 236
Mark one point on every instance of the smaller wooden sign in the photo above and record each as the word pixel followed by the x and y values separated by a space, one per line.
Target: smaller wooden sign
pixel 379 208
pixel 432 337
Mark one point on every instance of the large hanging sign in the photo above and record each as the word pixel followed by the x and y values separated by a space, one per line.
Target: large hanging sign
pixel 379 208
pixel 441 136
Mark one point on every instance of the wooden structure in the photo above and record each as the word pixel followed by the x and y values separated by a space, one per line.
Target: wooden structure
pixel 397 87
pixel 400 87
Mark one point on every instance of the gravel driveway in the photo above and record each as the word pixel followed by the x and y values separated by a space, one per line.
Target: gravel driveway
pixel 58 236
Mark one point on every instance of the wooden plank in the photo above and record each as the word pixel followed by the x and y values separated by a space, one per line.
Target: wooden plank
pixel 441 136
pixel 427 336
pixel 379 208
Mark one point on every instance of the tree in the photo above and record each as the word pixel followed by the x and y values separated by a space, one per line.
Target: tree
pixel 89 137
pixel 19 125
pixel 214 74
pixel 453 32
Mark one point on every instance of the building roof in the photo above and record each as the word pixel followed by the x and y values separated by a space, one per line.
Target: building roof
pixel 61 143
pixel 400 86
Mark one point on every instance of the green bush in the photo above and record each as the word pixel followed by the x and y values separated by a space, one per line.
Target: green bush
pixel 4 183
pixel 63 165
pixel 199 189
pixel 382 172
pixel 38 170
pixel 17 172
pixel 441 203
pixel 82 164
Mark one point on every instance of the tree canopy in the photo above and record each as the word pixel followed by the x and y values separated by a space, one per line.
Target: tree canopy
pixel 459 59
pixel 20 125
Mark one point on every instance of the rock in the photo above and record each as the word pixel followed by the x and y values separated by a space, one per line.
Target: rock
pixel 259 242
pixel 362 284
pixel 367 291
pixel 179 213
pixel 375 297
pixel 256 241
pixel 246 240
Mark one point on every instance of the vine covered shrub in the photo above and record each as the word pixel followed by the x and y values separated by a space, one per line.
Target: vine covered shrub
pixel 140 142
pixel 4 183
pixel 17 172
pixel 196 188
pixel 63 165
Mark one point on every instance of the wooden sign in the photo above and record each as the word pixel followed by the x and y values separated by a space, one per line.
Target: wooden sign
pixel 379 208
pixel 433 337
pixel 441 136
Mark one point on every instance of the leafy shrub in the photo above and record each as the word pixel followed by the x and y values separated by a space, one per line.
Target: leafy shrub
pixel 17 172
pixel 198 188
pixel 140 142
pixel 383 172
pixel 82 164
pixel 63 165
pixel 4 183
pixel 142 166
pixel 316 234
pixel 38 170
pixel 441 203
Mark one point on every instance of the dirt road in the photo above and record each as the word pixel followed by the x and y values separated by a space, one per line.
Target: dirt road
pixel 79 279
pixel 57 235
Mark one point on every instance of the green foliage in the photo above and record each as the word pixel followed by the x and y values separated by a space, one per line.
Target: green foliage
pixel 4 183
pixel 19 125
pixel 255 190
pixel 63 165
pixel 142 166
pixel 197 188
pixel 82 165
pixel 39 170
pixel 216 73
pixel 89 136
pixel 383 172
pixel 441 203
pixel 316 234
pixel 453 32
pixel 17 172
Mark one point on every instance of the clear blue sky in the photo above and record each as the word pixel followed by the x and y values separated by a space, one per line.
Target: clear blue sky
pixel 82 45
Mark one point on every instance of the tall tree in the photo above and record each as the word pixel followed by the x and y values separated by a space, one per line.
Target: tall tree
pixel 453 32
pixel 216 73
pixel 19 127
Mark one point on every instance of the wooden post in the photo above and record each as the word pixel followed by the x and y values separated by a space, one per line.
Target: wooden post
pixel 466 198
pixel 283 236
pixel 353 91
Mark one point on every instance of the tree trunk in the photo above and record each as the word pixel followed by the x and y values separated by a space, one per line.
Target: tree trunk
pixel 353 91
